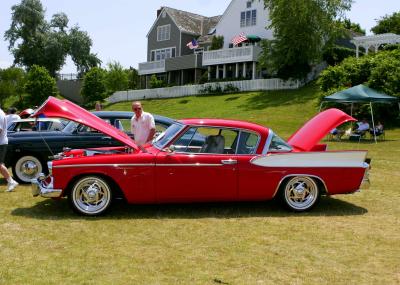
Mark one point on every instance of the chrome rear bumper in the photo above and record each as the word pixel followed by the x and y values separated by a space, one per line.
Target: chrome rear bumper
pixel 365 183
pixel 45 189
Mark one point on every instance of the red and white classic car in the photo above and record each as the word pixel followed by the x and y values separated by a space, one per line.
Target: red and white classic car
pixel 197 160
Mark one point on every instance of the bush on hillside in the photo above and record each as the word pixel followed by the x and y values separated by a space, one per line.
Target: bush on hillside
pixel 380 71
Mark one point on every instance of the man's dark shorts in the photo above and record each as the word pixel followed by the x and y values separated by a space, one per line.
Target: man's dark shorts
pixel 3 151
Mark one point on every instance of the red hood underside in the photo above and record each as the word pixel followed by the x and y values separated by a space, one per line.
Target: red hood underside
pixel 57 108
pixel 317 128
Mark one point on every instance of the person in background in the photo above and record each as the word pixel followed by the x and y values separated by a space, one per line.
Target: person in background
pixel 362 127
pixel 378 129
pixel 11 183
pixel 142 125
pixel 98 106
pixel 11 116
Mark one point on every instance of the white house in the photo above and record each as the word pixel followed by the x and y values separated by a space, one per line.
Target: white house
pixel 249 18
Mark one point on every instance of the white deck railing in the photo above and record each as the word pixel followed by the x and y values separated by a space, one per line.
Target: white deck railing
pixel 191 90
pixel 151 67
pixel 231 55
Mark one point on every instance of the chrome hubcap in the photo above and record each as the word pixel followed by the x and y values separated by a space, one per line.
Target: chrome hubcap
pixel 91 195
pixel 29 168
pixel 301 193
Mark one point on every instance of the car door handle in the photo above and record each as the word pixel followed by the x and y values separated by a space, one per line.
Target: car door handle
pixel 229 161
pixel 106 138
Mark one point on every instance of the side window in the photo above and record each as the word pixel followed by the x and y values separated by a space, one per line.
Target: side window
pixel 207 140
pixel 278 145
pixel 247 143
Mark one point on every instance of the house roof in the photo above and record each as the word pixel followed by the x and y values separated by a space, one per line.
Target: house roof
pixel 192 23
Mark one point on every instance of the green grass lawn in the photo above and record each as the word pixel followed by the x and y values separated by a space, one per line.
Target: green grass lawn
pixel 346 239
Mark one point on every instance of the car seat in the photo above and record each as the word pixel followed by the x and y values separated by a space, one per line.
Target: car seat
pixel 213 144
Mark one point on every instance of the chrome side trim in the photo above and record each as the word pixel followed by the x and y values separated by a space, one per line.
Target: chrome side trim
pixel 301 175
pixel 190 164
pixel 138 165
pixel 268 142
pixel 105 164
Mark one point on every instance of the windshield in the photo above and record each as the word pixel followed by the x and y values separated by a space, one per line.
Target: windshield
pixel 165 137
pixel 70 127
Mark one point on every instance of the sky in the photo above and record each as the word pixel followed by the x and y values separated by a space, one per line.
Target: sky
pixel 118 28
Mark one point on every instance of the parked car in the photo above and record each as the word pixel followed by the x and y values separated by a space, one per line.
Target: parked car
pixel 39 124
pixel 28 151
pixel 197 160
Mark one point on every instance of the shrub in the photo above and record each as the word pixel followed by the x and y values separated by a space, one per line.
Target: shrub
pixel 156 83
pixel 94 86
pixel 39 86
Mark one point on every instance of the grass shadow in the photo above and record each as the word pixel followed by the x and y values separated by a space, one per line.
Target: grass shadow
pixel 184 101
pixel 59 209
pixel 267 99
pixel 232 98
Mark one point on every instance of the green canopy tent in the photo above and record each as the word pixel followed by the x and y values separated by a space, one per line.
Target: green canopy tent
pixel 361 94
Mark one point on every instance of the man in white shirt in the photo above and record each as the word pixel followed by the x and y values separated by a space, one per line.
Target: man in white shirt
pixel 143 127
pixel 11 116
pixel 362 127
pixel 11 183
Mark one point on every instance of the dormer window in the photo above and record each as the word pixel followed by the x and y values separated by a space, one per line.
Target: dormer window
pixel 163 33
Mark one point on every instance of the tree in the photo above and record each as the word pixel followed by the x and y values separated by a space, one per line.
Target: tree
pixel 217 42
pixel 34 41
pixel 133 78
pixel 302 29
pixel 350 26
pixel 116 78
pixel 388 24
pixel 94 86
pixel 11 84
pixel 39 86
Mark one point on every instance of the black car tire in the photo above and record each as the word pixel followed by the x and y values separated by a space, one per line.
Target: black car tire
pixel 27 167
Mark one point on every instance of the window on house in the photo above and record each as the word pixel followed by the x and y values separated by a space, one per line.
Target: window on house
pixel 254 17
pixel 163 33
pixel 248 4
pixel 248 18
pixel 160 54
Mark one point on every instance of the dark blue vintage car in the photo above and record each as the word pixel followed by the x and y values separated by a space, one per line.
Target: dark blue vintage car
pixel 28 151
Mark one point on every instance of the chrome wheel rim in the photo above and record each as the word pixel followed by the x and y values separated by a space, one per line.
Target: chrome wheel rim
pixel 91 195
pixel 301 193
pixel 27 168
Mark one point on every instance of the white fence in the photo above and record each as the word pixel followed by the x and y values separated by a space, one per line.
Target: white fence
pixel 191 90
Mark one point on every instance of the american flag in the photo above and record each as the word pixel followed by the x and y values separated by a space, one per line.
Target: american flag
pixel 193 44
pixel 239 39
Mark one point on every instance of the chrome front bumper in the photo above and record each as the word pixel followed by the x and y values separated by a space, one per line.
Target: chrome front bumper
pixel 43 186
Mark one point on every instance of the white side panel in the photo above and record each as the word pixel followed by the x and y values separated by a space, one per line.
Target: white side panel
pixel 312 159
pixel 229 25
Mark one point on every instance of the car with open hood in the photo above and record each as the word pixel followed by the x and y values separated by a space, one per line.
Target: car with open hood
pixel 33 141
pixel 199 160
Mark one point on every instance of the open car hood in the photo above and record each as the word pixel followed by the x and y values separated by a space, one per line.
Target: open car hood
pixel 308 136
pixel 54 107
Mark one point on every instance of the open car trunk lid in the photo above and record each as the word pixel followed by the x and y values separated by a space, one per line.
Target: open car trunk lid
pixel 308 136
pixel 57 108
